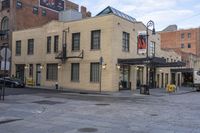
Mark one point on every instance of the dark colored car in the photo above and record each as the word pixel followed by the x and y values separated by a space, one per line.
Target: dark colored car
pixel 12 82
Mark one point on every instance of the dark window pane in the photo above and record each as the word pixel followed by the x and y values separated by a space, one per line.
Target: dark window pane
pixel 75 72
pixel 94 72
pixel 125 41
pixel 75 41
pixel 48 44
pixel 52 72
pixel 18 48
pixel 95 39
pixel 30 46
pixel 56 38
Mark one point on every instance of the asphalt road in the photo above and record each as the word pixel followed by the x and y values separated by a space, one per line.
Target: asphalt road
pixel 49 111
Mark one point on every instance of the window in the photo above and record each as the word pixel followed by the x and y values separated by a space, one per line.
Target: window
pixel 189 45
pixel 189 35
pixel 95 39
pixel 48 44
pixel 125 45
pixel 35 10
pixel 56 43
pixel 44 13
pixel 52 72
pixel 182 45
pixel 152 49
pixel 75 72
pixel 5 27
pixel 75 41
pixel 94 72
pixel 19 5
pixel 5 4
pixel 31 70
pixel 182 35
pixel 30 47
pixel 18 48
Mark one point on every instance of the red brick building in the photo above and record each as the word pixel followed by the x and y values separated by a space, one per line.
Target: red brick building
pixel 185 40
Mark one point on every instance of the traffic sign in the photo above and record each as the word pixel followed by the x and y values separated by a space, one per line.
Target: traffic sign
pixel 5 53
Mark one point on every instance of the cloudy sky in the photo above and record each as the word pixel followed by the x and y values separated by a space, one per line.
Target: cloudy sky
pixel 184 13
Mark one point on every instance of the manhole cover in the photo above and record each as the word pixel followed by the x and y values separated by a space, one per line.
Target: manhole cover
pixel 102 104
pixel 87 130
pixel 47 102
pixel 154 114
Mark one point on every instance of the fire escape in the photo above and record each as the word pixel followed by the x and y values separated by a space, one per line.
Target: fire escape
pixel 63 54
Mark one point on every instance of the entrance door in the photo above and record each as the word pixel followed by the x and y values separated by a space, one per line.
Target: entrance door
pixel 173 79
pixel 38 75
pixel 125 78
pixel 162 80
pixel 140 71
pixel 158 81
pixel 152 78
pixel 20 71
pixel 166 79
pixel 179 78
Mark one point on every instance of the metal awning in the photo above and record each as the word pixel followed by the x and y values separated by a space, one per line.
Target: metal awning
pixel 154 62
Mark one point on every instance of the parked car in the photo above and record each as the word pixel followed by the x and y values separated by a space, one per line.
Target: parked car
pixel 12 82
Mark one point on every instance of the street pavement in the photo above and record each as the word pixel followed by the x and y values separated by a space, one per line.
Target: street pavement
pixel 49 111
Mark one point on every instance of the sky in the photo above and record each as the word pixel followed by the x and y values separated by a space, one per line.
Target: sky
pixel 184 13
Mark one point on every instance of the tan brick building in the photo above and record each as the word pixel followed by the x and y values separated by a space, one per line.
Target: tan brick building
pixel 110 36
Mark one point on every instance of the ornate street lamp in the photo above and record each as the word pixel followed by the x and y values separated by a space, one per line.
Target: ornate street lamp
pixel 149 24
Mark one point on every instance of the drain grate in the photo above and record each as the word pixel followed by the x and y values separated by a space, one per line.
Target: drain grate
pixel 88 130
pixel 102 104
pixel 9 121
pixel 47 102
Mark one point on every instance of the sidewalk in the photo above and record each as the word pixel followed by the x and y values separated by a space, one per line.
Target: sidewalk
pixel 121 94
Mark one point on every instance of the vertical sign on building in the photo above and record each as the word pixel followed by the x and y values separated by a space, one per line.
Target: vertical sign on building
pixel 142 42
pixel 55 5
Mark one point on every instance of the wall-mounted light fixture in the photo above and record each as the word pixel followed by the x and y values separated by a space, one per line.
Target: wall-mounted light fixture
pixel 41 66
pixel 104 66
pixel 26 67
pixel 59 66
pixel 118 66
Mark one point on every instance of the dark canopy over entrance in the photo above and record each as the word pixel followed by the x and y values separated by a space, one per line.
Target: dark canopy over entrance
pixel 154 62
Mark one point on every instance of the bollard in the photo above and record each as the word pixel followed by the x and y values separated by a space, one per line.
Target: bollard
pixel 56 85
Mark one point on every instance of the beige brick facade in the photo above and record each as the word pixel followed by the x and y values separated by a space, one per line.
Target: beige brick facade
pixel 111 28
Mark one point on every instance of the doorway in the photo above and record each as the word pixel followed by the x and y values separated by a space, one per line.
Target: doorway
pixel 20 72
pixel 125 78
pixel 38 74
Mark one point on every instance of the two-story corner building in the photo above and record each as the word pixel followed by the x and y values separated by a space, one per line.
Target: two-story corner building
pixel 91 54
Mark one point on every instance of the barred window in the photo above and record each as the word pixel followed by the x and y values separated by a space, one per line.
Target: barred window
pixel 75 41
pixel 94 72
pixel 52 72
pixel 125 39
pixel 56 38
pixel 48 44
pixel 75 72
pixel 30 47
pixel 18 48
pixel 95 39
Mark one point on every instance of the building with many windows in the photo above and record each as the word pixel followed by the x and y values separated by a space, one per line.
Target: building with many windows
pixel 23 14
pixel 98 54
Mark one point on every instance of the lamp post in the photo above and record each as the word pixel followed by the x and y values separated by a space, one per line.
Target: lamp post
pixel 149 24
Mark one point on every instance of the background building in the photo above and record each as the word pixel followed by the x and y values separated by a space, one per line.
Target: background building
pixel 23 14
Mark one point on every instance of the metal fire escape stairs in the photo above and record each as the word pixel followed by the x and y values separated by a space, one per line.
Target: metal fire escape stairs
pixel 63 54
